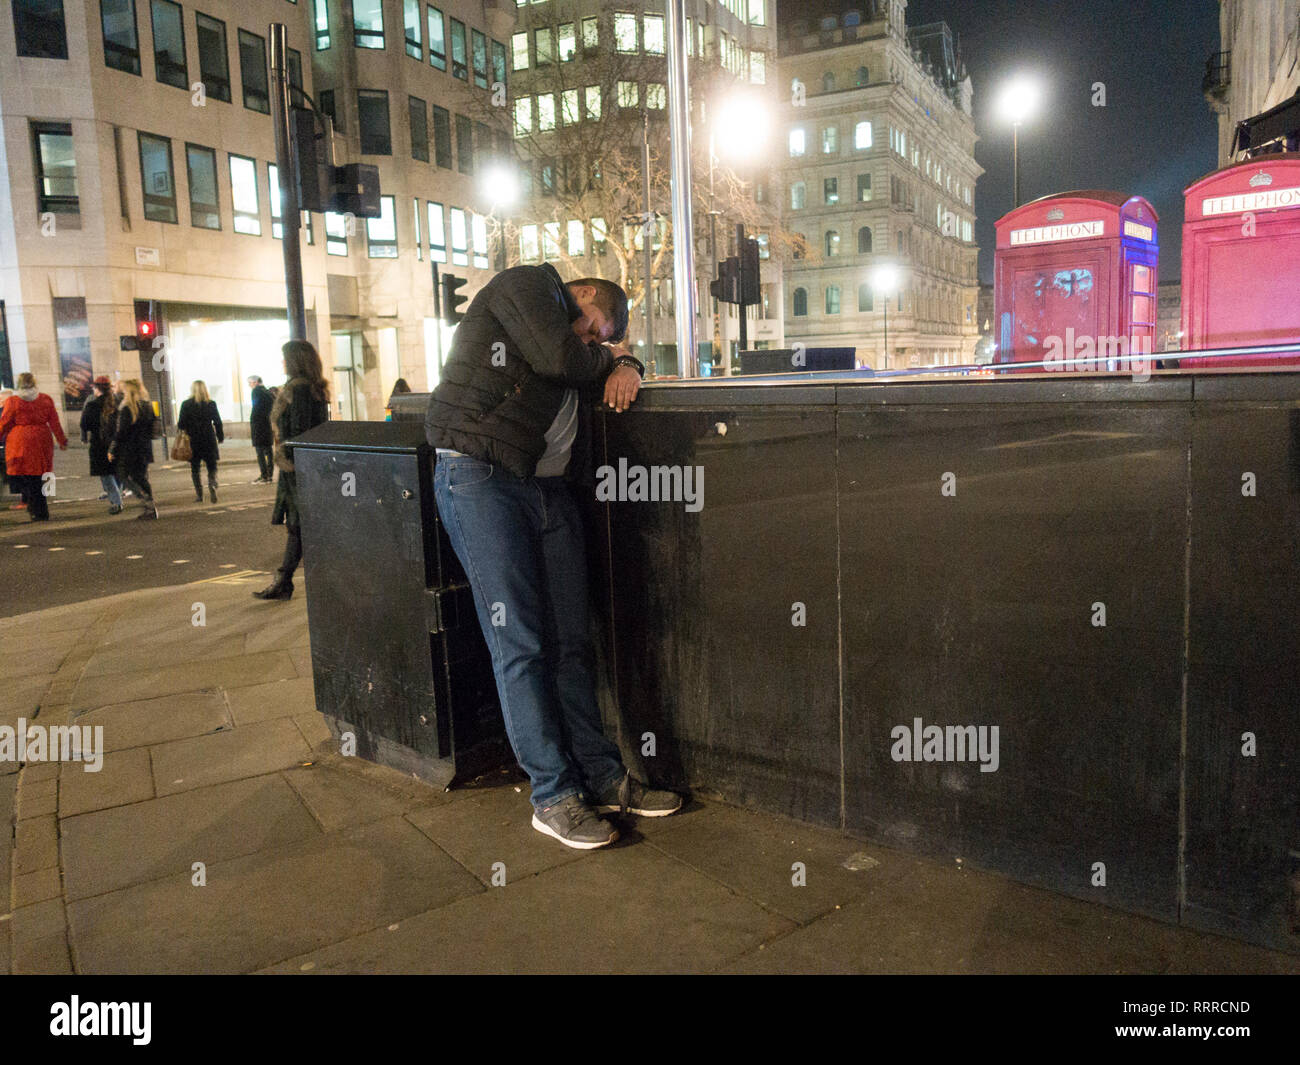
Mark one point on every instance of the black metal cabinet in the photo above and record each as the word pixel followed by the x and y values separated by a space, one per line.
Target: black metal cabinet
pixel 398 657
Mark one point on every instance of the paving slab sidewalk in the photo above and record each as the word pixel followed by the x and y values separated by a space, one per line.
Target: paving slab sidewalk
pixel 224 833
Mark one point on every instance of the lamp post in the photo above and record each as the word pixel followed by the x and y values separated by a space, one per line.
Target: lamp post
pixel 1019 100
pixel 884 282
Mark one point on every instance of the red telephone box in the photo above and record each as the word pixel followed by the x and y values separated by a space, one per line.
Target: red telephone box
pixel 1075 281
pixel 1241 261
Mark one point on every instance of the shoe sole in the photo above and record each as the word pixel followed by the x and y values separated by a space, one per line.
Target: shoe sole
pixel 544 828
pixel 634 810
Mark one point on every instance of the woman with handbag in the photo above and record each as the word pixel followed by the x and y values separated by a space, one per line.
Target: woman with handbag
pixel 199 431
pixel 132 444
pixel 302 403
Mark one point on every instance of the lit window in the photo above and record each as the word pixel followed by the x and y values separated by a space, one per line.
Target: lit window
pixel 797 142
pixel 598 235
pixel 830 140
pixel 757 68
pixel 479 54
pixel 569 107
pixel 524 115
pixel 832 243
pixel 243 196
pixel 590 33
pixel 322 25
pixel 551 240
pixel 545 112
pixel 568 42
pixel 336 234
pixel 654 34
pixel 624 32
pixel 419 244
pixel 832 299
pixel 577 238
pixel 528 248
pixel 411 21
pixel 437 38
pixel 655 96
pixel 519 51
pixel 798 195
pixel 628 94
pixel 459 238
pixel 831 190
pixel 273 195
pixel 544 39
pixel 862 136
pixel 478 228
pixel 593 102
pixel 437 234
pixel 368 23
pixel 56 168
pixel 757 16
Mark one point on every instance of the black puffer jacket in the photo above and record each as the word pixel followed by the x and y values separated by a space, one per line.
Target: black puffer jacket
pixel 500 413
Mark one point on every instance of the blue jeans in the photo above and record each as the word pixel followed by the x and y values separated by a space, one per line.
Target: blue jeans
pixel 109 483
pixel 520 541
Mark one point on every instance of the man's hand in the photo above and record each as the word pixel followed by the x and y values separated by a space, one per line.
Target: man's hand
pixel 621 386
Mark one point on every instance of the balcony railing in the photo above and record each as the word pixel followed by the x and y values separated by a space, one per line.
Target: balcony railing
pixel 1217 75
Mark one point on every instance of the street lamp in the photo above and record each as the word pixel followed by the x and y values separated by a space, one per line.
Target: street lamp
pixel 885 279
pixel 1018 102
pixel 500 186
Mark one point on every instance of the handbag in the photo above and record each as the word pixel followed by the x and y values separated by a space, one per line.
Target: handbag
pixel 181 451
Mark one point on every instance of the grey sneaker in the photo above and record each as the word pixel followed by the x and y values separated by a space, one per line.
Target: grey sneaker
pixel 575 824
pixel 631 796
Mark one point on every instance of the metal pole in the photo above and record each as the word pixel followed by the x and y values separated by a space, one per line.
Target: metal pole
pixel 437 314
pixel 646 241
pixel 679 137
pixel 713 255
pixel 1015 163
pixel 741 308
pixel 886 332
pixel 287 169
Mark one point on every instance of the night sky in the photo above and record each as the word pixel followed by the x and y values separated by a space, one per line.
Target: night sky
pixel 1155 136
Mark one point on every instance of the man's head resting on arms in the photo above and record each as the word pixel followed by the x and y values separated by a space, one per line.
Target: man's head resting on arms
pixel 604 310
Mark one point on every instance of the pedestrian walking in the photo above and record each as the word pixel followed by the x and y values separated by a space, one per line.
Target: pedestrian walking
pixel 132 446
pixel 259 424
pixel 29 425
pixel 511 422
pixel 98 422
pixel 200 418
pixel 302 403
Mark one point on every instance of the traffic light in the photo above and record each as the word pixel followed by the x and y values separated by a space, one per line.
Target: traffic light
pixel 750 290
pixel 726 287
pixel 146 324
pixel 451 301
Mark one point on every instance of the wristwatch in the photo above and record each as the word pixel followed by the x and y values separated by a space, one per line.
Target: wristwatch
pixel 629 360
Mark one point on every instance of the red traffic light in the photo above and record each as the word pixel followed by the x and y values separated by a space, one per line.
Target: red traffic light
pixel 145 329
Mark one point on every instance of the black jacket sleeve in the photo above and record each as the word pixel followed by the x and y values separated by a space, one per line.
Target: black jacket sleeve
pixel 184 417
pixel 532 313
pixel 216 421
pixel 86 421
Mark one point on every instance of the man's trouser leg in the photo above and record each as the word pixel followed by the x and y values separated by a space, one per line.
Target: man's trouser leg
pixel 572 656
pixel 494 522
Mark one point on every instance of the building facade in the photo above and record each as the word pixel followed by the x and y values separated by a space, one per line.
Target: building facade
pixel 879 169
pixel 584 73
pixel 137 179
pixel 1257 66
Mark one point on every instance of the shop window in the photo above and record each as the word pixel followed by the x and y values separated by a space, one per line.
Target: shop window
pixel 381 232
pixel 72 338
pixel 243 196
pixel 158 178
pixel 252 72
pixel 372 118
pixel 39 30
pixel 169 44
pixel 368 23
pixel 201 174
pixel 56 168
pixel 121 37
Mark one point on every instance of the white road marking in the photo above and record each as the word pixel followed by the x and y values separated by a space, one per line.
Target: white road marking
pixel 58 548
pixel 19 547
pixel 135 556
pixel 227 565
pixel 94 552
pixel 179 561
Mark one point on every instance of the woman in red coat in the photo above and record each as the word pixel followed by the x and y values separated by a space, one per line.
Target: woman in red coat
pixel 26 423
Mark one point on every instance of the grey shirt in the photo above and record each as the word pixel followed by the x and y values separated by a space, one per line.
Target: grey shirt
pixel 559 438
